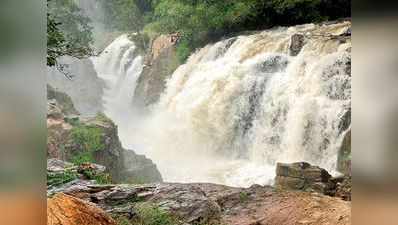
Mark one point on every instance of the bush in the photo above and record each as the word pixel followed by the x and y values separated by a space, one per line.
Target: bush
pixel 56 179
pixel 148 214
pixel 102 178
pixel 88 140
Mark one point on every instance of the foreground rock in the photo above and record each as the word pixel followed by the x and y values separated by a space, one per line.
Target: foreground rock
pixel 302 176
pixel 217 204
pixel 67 210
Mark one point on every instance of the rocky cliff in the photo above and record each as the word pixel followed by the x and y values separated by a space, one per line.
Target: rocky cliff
pixel 95 139
pixel 160 62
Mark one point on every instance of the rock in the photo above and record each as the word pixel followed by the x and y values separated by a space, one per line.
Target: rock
pixel 141 169
pixel 343 189
pixel 218 204
pixel 303 176
pixel 56 165
pixel 54 111
pixel 97 169
pixel 64 102
pixel 63 175
pixel 67 210
pixel 344 155
pixel 124 166
pixel 160 63
pixel 296 44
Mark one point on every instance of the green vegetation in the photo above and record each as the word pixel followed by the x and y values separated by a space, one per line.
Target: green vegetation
pixel 197 22
pixel 202 21
pixel 56 179
pixel 102 178
pixel 148 214
pixel 88 139
pixel 243 197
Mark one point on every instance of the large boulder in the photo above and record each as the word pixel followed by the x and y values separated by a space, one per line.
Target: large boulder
pixel 303 176
pixel 67 210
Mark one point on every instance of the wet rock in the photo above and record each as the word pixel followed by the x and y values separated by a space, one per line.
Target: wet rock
pixel 67 210
pixel 273 64
pixel 344 155
pixel 303 176
pixel 140 169
pixel 343 188
pixel 160 63
pixel 296 44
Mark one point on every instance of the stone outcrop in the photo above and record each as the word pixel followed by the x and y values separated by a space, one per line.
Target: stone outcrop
pixel 343 187
pixel 67 210
pixel 217 204
pixel 302 176
pixel 160 63
pixel 297 42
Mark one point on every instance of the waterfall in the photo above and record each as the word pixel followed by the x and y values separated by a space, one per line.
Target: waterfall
pixel 239 106
pixel 119 66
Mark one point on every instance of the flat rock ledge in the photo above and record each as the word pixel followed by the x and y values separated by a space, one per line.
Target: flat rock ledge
pixel 217 204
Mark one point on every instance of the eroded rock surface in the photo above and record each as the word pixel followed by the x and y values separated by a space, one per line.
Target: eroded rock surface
pixel 207 203
pixel 160 63
pixel 67 210
pixel 302 176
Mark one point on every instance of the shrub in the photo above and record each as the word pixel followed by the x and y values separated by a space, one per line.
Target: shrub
pixel 88 137
pixel 102 178
pixel 56 179
pixel 149 214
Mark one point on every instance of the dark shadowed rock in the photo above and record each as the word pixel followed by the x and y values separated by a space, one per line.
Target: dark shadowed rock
pixel 344 155
pixel 296 44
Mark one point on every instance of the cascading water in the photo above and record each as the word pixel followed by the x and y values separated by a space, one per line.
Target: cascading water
pixel 119 66
pixel 238 106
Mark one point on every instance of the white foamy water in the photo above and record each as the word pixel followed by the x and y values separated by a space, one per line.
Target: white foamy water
pixel 119 66
pixel 238 107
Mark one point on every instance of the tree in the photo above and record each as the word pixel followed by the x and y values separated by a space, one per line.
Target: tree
pixel 68 32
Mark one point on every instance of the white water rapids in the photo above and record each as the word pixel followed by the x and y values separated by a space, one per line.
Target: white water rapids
pixel 237 106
